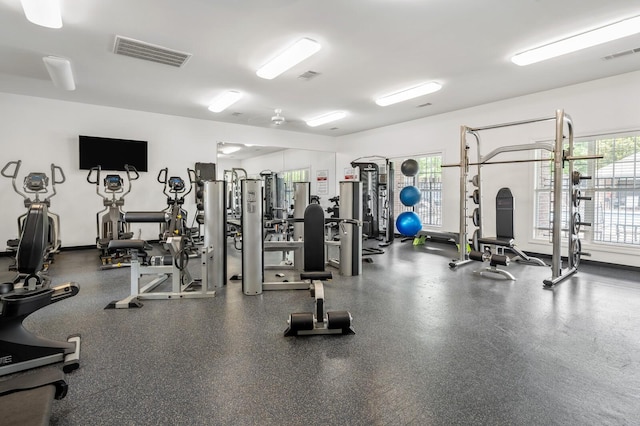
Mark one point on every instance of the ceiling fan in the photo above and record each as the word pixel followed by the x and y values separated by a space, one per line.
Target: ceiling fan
pixel 278 119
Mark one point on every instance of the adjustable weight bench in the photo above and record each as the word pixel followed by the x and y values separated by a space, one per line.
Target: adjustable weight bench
pixel 504 240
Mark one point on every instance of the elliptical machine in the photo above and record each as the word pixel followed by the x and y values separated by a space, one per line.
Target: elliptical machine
pixel 175 190
pixel 109 221
pixel 26 293
pixel 37 183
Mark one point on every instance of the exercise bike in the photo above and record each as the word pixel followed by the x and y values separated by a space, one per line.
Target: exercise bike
pixel 109 221
pixel 37 183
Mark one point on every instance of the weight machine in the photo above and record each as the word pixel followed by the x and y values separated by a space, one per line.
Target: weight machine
pixel 174 265
pixel 561 157
pixel 37 183
pixel 377 198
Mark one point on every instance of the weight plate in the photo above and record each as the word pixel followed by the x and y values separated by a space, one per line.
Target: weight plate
pixel 476 196
pixel 475 245
pixel 576 248
pixel 575 223
pixel 475 180
pixel 476 217
pixel 575 197
pixel 575 178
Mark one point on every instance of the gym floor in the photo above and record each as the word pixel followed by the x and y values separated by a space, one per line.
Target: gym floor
pixel 432 346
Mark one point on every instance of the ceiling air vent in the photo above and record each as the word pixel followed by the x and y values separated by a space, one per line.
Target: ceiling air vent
pixel 308 75
pixel 149 52
pixel 621 54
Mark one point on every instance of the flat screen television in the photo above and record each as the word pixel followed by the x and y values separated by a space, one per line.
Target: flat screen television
pixel 112 154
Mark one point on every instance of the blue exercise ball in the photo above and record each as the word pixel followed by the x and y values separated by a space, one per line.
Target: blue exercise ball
pixel 409 196
pixel 409 167
pixel 408 223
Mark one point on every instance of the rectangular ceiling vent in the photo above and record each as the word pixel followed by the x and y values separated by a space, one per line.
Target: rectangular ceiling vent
pixel 308 75
pixel 621 54
pixel 149 52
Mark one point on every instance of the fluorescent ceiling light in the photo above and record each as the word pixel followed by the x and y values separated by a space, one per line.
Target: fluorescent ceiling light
pixel 326 118
pixel 595 37
pixel 224 101
pixel 229 149
pixel 60 72
pixel 295 54
pixel 410 93
pixel 43 12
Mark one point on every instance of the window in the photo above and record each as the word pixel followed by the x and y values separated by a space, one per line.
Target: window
pixel 289 177
pixel 429 183
pixel 614 210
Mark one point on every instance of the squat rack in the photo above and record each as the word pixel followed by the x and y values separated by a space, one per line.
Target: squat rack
pixel 560 156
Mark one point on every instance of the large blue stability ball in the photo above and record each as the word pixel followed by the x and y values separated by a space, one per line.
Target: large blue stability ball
pixel 409 167
pixel 408 223
pixel 409 196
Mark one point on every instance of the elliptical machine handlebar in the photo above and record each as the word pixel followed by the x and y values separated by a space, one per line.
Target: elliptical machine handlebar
pixel 193 178
pixel 13 176
pixel 162 178
pixel 96 182
pixel 54 180
pixel 57 177
pixel 132 174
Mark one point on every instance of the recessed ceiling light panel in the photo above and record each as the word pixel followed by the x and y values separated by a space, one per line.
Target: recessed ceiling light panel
pixel 326 118
pixel 45 13
pixel 293 55
pixel 224 100
pixel 410 93
pixel 59 70
pixel 587 39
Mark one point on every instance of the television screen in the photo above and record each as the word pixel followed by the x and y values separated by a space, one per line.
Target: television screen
pixel 112 154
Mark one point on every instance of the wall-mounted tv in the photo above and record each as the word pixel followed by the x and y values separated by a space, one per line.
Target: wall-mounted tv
pixel 112 154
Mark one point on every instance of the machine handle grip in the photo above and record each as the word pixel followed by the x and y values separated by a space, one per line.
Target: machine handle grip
pixel 97 169
pixel 53 174
pixel 15 171
pixel 162 175
pixel 131 170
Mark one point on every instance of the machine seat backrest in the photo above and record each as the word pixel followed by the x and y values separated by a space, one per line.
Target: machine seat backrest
pixel 504 214
pixel 313 238
pixel 33 241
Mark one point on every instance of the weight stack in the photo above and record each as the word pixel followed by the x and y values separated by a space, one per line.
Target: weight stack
pixel 252 238
pixel 215 230
pixel 351 241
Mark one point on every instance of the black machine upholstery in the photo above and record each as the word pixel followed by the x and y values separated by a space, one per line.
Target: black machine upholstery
pixel 504 220
pixel 33 241
pixel 313 238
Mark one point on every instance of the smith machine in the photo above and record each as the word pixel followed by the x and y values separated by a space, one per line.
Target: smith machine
pixel 562 156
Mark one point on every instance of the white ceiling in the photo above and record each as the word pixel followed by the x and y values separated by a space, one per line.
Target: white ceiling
pixel 369 48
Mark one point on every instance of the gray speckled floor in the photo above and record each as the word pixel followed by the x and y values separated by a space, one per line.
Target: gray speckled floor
pixel 432 346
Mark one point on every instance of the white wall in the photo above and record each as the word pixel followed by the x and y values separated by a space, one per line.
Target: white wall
pixel 599 106
pixel 43 131
pixel 292 159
